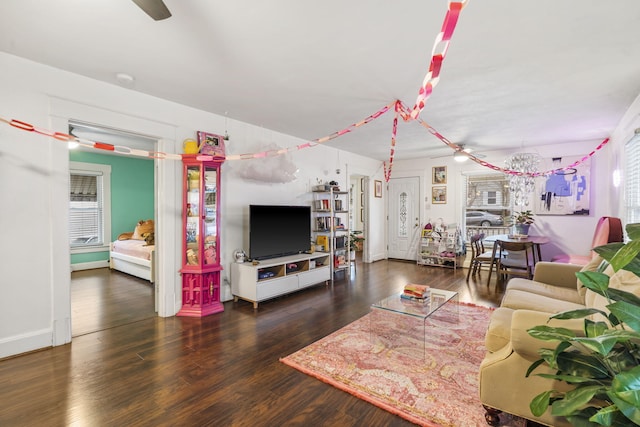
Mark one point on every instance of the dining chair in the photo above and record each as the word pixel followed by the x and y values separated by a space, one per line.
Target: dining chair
pixel 479 256
pixel 515 259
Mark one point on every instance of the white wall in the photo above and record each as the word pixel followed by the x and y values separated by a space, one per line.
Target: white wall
pixel 623 133
pixel 35 307
pixel 569 234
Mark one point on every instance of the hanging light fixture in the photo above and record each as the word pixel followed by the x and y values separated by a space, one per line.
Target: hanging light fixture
pixel 522 185
pixel 459 157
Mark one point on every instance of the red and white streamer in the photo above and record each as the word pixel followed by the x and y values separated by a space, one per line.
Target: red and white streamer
pixel 431 79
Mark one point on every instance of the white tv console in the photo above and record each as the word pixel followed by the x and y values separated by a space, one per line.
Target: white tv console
pixel 309 270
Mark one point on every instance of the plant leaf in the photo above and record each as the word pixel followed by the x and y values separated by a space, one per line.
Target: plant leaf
pixel 594 280
pixel 625 255
pixel 633 231
pixel 601 345
pixel 533 366
pixel 621 295
pixel 574 400
pixel 625 393
pixel 581 365
pixel 549 333
pixel 581 418
pixel 609 250
pixel 576 314
pixel 594 329
pixel 540 403
pixel 571 379
pixel 627 313
pixel 605 416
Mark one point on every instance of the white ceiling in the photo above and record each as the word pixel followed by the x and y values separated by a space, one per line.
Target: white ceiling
pixel 516 73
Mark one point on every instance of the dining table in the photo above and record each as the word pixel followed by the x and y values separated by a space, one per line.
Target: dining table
pixel 536 241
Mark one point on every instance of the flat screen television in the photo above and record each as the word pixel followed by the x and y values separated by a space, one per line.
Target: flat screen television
pixel 276 231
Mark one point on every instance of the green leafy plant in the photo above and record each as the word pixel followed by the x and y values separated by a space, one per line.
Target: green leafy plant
pixel 523 217
pixel 355 239
pixel 602 363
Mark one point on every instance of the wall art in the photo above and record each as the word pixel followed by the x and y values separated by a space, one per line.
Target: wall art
pixel 566 192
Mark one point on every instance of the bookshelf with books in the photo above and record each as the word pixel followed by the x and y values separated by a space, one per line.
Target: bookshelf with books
pixel 330 211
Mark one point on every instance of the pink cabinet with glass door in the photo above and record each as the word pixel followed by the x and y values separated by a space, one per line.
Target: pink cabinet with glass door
pixel 201 238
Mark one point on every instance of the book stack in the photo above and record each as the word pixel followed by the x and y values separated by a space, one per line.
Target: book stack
pixel 415 292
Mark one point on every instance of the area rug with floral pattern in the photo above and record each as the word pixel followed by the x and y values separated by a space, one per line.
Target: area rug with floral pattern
pixel 425 373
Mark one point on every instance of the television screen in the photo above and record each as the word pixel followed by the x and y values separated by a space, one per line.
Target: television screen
pixel 276 231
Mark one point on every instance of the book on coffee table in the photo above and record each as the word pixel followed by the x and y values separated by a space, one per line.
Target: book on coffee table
pixel 416 291
pixel 416 299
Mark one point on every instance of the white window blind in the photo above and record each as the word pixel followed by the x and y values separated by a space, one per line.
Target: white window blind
pixel 86 220
pixel 89 206
pixel 632 180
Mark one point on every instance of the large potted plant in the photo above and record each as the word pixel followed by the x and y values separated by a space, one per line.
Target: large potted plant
pixel 603 363
pixel 355 241
pixel 523 221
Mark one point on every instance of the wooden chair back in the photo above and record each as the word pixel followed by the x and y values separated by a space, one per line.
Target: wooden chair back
pixel 514 259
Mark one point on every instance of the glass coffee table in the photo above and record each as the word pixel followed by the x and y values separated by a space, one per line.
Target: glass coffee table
pixel 399 322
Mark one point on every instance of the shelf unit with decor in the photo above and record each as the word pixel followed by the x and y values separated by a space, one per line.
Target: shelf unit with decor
pixel 262 280
pixel 330 215
pixel 201 237
pixel 441 248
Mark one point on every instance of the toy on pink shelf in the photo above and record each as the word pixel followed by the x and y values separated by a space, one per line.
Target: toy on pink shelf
pixel 210 255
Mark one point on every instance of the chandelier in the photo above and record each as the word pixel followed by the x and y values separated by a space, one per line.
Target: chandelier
pixel 522 184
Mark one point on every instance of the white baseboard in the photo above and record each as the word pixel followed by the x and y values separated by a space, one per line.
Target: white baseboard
pixel 89 265
pixel 24 343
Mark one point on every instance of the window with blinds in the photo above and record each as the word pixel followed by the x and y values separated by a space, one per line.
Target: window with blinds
pixel 488 192
pixel 632 180
pixel 85 210
pixel 88 213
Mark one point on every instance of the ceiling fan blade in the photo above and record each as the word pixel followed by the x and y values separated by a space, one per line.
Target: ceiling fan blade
pixel 156 9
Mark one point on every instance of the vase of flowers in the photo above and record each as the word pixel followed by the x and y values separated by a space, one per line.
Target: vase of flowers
pixel 522 221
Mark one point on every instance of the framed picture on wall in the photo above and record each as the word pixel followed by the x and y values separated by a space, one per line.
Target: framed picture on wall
pixel 567 190
pixel 439 175
pixel 439 194
pixel 211 144
pixel 378 189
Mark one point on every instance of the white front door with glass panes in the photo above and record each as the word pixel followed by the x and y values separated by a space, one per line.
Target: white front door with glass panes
pixel 404 218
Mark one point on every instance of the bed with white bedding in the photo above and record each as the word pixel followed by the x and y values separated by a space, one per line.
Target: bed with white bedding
pixel 133 257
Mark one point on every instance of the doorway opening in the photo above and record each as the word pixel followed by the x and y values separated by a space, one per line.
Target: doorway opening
pixel 358 211
pixel 101 297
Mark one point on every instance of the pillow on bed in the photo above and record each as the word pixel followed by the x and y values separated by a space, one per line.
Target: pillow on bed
pixel 143 227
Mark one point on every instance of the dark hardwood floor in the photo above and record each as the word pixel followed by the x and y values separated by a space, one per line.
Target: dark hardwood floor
pixel 103 299
pixel 221 370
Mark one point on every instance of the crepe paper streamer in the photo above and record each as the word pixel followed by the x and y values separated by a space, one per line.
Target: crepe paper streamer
pixel 440 44
pixel 392 151
pixel 431 79
pixel 406 114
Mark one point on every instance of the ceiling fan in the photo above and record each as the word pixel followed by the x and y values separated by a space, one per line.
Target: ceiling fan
pixel 156 9
pixel 461 157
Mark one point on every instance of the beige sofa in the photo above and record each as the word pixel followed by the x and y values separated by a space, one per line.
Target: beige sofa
pixel 510 349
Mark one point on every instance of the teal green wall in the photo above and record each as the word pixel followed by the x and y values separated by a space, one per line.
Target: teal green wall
pixel 132 194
